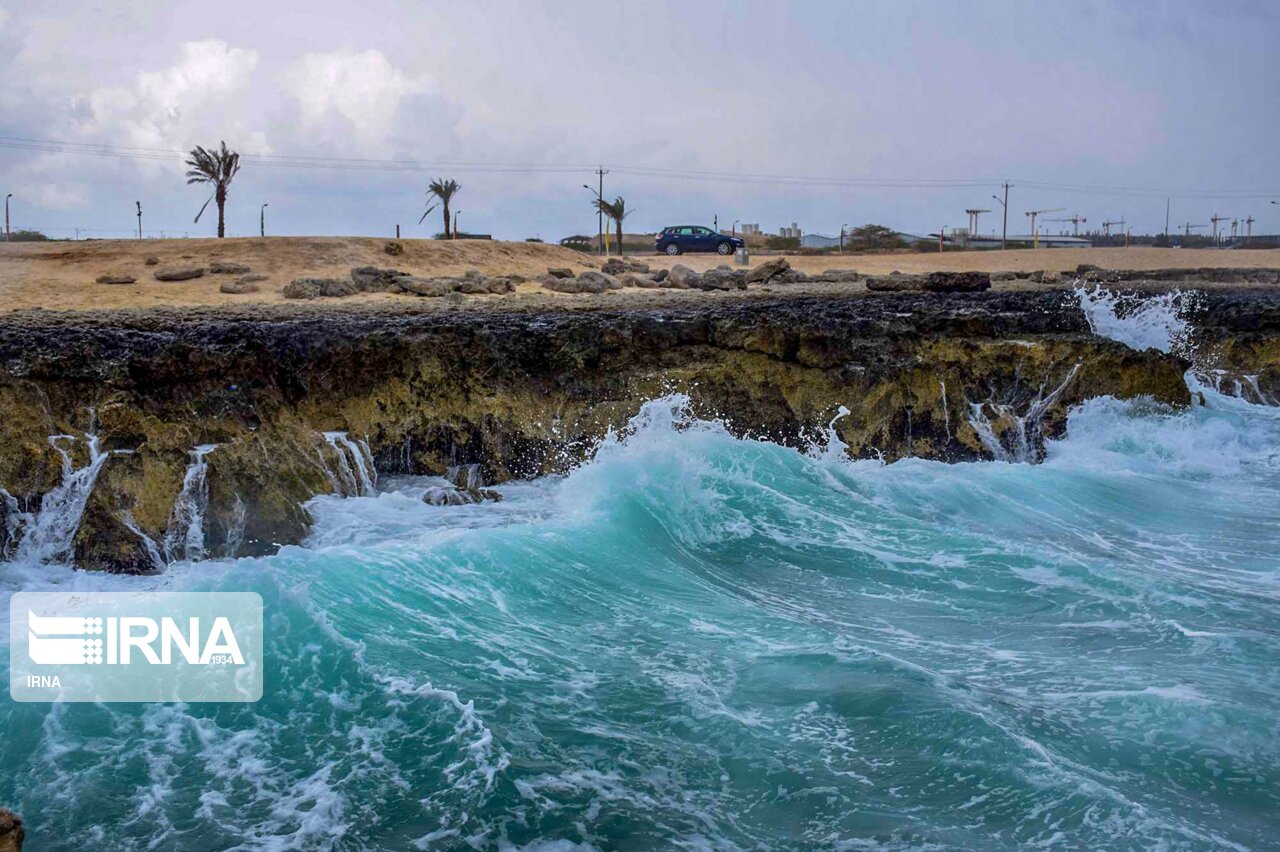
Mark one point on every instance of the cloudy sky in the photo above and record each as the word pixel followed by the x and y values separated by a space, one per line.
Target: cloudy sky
pixel 822 113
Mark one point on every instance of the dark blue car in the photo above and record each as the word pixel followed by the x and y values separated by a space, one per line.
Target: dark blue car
pixel 679 239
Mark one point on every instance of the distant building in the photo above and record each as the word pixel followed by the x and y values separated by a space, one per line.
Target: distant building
pixel 792 233
pixel 819 241
pixel 976 241
pixel 750 229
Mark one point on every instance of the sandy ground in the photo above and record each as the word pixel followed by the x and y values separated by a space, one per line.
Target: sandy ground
pixel 61 275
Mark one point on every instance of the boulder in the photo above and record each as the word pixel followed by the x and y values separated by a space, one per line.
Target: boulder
pixel 895 282
pixel 682 277
pixel 788 276
pixel 1050 276
pixel 116 278
pixel 239 287
pixel 152 260
pixel 957 282
pixel 432 287
pixel 440 496
pixel 311 288
pixel 483 284
pixel 1085 268
pixel 634 279
pixel 226 267
pixel 618 265
pixel 840 275
pixel 12 832
pixel 1004 276
pixel 560 272
pixel 395 248
pixel 371 279
pixel 592 281
pixel 767 270
pixel 180 273
pixel 722 278
pixel 661 275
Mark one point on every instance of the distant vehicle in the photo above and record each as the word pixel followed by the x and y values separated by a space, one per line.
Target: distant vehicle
pixel 679 239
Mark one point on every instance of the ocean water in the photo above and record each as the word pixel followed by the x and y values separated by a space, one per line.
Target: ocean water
pixel 696 641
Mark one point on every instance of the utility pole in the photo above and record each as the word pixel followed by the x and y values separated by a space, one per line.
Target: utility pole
pixel 139 203
pixel 601 171
pixel 1004 232
pixel 455 223
pixel 6 216
pixel 1166 216
pixel 262 221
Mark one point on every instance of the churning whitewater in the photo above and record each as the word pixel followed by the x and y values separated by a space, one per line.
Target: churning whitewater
pixel 700 641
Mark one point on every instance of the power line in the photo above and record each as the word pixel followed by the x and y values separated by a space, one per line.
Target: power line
pixel 300 161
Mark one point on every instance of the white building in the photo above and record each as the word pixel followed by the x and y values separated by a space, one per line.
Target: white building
pixel 820 241
pixel 750 229
pixel 793 232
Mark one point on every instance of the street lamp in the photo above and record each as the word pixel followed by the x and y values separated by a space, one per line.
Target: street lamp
pixel 733 229
pixel 262 219
pixel 6 216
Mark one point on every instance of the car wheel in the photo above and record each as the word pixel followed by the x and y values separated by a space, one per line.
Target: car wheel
pixel 724 248
pixel 673 249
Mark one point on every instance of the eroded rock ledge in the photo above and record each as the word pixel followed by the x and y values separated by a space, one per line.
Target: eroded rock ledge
pixel 527 393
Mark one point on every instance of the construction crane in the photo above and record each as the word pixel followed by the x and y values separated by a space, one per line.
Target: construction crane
pixel 1076 221
pixel 973 220
pixel 1106 226
pixel 1035 236
pixel 1248 223
pixel 1188 228
pixel 1215 219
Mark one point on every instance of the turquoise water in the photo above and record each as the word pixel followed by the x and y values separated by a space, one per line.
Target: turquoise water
pixel 702 642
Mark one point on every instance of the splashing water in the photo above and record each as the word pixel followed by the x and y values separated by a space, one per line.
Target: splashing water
pixel 355 464
pixel 184 538
pixel 1140 322
pixel 49 536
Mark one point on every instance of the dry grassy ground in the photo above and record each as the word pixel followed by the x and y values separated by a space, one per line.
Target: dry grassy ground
pixel 61 276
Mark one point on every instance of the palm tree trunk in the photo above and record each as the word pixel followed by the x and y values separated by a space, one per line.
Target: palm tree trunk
pixel 619 223
pixel 222 213
pixel 448 234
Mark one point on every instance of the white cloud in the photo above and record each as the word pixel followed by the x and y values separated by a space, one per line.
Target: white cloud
pixel 345 94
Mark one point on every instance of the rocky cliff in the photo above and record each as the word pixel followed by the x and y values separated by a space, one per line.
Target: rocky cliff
pixel 134 438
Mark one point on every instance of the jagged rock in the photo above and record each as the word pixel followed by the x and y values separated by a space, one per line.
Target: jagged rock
pixel 182 273
pixel 116 278
pixel 432 287
pixel 1034 277
pixel 1050 276
pixel 1004 276
pixel 1085 268
pixel 152 260
pixel 439 496
pixel 895 282
pixel 311 288
pixel 239 287
pixel 516 279
pixel 763 273
pixel 957 282
pixel 682 277
pixel 722 278
pixel 12 832
pixel 395 248
pixel 661 275
pixel 371 279
pixel 560 272
pixel 840 275
pixel 226 267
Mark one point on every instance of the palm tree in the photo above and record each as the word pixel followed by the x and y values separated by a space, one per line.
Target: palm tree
pixel 217 167
pixel 444 190
pixel 617 211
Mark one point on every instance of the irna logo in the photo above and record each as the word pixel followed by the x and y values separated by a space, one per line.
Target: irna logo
pixel 150 646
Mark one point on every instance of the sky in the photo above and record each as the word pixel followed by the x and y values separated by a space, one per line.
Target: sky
pixel 820 113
